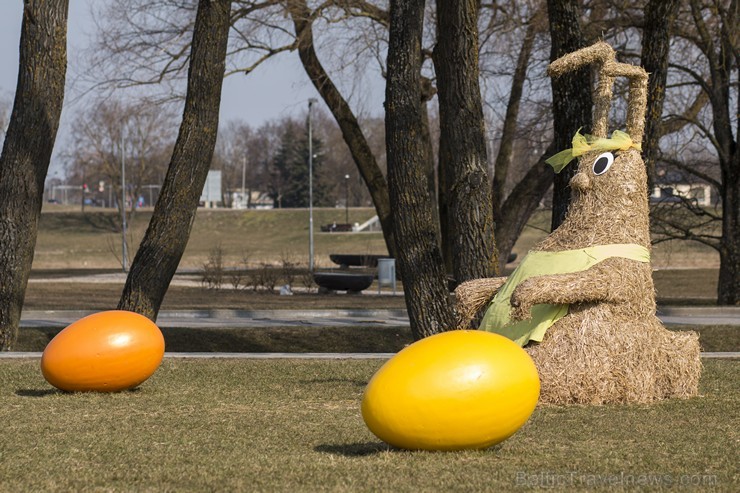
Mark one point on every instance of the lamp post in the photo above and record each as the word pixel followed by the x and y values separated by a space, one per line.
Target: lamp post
pixel 244 174
pixel 346 199
pixel 124 249
pixel 311 102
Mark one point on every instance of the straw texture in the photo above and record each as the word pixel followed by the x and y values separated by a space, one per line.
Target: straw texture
pixel 610 347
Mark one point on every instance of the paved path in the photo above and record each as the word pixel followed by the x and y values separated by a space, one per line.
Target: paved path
pixel 238 318
pixel 337 318
pixel 330 318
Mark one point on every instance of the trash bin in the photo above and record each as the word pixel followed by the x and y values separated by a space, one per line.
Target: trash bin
pixel 387 273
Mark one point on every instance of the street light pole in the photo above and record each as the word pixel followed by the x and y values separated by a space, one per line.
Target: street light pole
pixel 244 174
pixel 346 199
pixel 311 102
pixel 124 250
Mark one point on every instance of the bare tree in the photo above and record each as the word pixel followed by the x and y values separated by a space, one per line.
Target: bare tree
pixel 656 36
pixel 167 235
pixel 27 151
pixel 571 94
pixel 521 142
pixel 364 159
pixel 462 141
pixel 709 27
pixel 260 32
pixel 102 133
pixel 419 255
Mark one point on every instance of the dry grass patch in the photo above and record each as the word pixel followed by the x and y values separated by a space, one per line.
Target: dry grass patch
pixel 70 239
pixel 296 426
pixel 674 287
pixel 357 339
pixel 103 296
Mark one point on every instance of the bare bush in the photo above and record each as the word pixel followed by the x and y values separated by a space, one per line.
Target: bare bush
pixel 213 269
pixel 268 277
pixel 239 276
pixel 288 267
pixel 306 278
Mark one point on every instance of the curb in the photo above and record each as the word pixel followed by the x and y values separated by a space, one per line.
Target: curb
pixel 731 312
pixel 337 317
pixel 700 311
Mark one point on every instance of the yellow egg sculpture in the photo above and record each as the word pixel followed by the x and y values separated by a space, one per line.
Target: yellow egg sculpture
pixel 463 389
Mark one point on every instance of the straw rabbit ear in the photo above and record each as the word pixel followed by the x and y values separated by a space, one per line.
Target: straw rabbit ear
pixel 604 57
pixel 599 54
pixel 637 99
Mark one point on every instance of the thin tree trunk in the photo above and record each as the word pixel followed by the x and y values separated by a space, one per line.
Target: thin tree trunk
pixel 656 38
pixel 571 95
pixel 169 230
pixel 29 142
pixel 728 288
pixel 521 204
pixel 462 129
pixel 419 257
pixel 345 118
pixel 508 133
pixel 511 214
pixel 721 68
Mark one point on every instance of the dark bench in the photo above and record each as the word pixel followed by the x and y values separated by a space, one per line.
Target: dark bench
pixel 336 228
pixel 343 281
pixel 356 260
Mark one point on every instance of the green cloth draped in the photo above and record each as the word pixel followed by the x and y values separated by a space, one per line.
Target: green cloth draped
pixel 535 264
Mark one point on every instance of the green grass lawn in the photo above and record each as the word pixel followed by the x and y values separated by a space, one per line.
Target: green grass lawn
pixel 289 425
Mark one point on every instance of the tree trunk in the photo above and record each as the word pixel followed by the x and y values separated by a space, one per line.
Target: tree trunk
pixel 721 68
pixel 427 93
pixel 571 95
pixel 167 235
pixel 521 204
pixel 656 37
pixel 443 200
pixel 723 60
pixel 29 142
pixel 462 128
pixel 419 257
pixel 350 128
pixel 508 133
pixel 728 288
pixel 527 194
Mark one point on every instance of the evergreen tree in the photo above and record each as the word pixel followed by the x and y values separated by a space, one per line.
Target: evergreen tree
pixel 289 176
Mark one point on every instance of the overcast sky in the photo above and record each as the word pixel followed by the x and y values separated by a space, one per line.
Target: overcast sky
pixel 278 89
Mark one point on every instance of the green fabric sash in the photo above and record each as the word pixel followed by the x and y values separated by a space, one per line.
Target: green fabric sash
pixel 534 264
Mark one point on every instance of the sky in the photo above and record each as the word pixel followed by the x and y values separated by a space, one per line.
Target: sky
pixel 278 89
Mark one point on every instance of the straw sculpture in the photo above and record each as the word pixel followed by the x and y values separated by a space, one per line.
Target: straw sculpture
pixel 606 344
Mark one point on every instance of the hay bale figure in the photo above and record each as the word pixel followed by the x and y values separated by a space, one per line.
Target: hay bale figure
pixel 583 299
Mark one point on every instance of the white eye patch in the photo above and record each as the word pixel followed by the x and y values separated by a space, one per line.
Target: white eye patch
pixel 602 163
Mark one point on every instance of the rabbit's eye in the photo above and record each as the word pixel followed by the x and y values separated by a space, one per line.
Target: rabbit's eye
pixel 603 163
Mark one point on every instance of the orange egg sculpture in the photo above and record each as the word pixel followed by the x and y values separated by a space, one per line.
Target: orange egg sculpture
pixel 463 389
pixel 105 352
